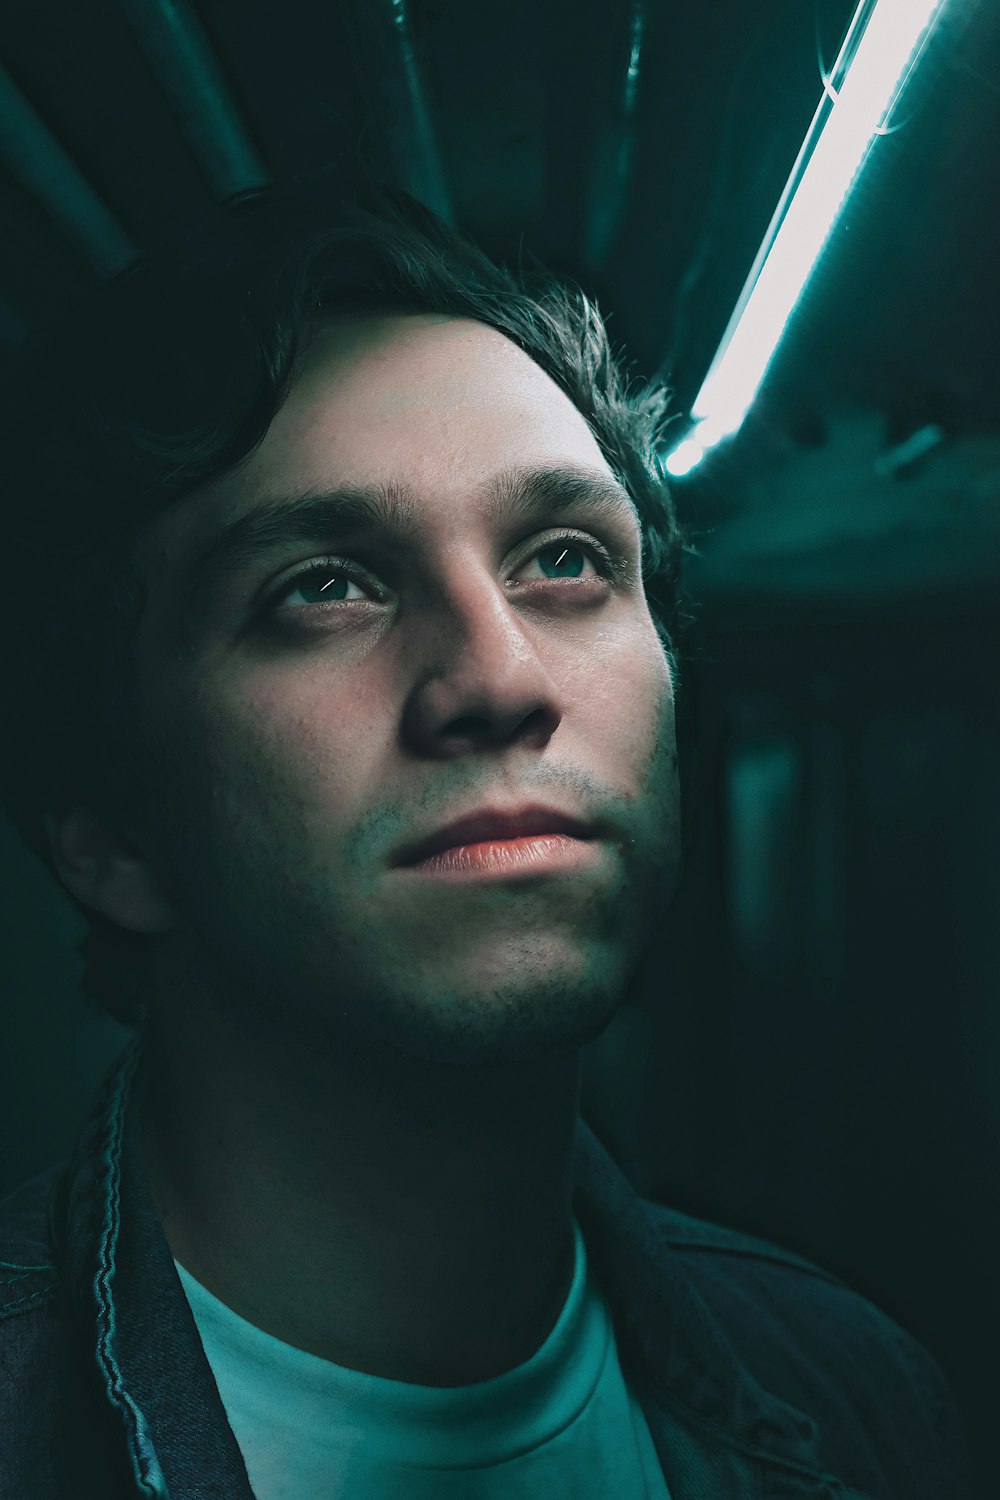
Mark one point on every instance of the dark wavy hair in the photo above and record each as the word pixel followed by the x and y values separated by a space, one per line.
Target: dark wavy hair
pixel 170 377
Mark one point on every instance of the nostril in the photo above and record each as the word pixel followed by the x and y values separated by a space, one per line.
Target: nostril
pixel 469 727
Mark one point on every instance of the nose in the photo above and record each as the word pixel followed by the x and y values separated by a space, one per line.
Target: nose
pixel 484 679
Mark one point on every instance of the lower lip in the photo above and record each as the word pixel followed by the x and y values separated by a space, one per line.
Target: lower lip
pixel 541 854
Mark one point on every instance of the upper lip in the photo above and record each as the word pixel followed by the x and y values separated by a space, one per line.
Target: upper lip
pixel 495 823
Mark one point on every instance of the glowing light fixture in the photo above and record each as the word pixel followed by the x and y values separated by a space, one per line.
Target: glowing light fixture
pixel 685 457
pixel 882 45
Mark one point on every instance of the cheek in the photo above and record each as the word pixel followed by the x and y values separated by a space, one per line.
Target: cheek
pixel 627 692
pixel 301 741
pixel 271 755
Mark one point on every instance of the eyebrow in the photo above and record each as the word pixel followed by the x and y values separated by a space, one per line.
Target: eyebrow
pixel 392 509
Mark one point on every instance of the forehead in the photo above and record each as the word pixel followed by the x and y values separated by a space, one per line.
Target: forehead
pixel 416 394
pixel 437 403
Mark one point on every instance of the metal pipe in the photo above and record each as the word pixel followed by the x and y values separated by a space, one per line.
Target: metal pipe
pixel 180 55
pixel 384 50
pixel 615 157
pixel 33 155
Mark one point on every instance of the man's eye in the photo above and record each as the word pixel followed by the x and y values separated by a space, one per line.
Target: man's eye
pixel 567 558
pixel 320 583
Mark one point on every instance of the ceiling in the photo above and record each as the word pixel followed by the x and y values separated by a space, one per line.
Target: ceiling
pixel 638 146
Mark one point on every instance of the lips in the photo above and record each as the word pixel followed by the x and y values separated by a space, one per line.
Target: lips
pixel 490 824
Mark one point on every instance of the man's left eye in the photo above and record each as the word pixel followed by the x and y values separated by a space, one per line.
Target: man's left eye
pixel 566 558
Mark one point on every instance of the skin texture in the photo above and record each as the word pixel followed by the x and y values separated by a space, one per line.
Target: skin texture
pixel 360 1089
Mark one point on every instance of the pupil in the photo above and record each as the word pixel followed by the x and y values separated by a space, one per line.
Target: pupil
pixel 560 553
pixel 323 586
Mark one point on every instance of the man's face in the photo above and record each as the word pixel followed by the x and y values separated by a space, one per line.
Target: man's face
pixel 307 726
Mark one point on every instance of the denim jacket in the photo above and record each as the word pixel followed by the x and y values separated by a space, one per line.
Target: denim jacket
pixel 762 1376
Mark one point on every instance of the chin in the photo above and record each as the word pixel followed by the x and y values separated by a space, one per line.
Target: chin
pixel 513 1024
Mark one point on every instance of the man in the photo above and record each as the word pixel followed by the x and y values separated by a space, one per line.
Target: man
pixel 365 761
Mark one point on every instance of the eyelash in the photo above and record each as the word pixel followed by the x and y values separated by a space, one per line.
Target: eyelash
pixel 611 566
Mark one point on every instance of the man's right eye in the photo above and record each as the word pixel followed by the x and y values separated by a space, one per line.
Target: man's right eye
pixel 324 581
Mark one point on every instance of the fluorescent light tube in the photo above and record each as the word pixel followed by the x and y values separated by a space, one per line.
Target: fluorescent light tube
pixel 881 47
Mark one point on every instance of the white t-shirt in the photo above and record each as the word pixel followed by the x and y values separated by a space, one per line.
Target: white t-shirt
pixel 562 1423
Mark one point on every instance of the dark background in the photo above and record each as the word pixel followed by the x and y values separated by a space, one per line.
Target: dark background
pixel 814 1051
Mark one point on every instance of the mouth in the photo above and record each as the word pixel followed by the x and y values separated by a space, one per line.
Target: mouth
pixel 492 828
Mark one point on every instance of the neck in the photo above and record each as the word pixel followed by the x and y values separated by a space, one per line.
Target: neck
pixel 407 1219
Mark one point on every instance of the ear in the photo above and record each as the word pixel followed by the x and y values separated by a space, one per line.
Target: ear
pixel 106 872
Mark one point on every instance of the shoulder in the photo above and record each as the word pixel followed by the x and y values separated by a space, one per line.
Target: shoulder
pixel 55 1435
pixel 824 1347
pixel 757 1285
pixel 34 1344
pixel 29 1278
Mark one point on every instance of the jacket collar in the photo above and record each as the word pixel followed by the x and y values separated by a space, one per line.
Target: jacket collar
pixel 125 1285
pixel 151 1362
pixel 664 1326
